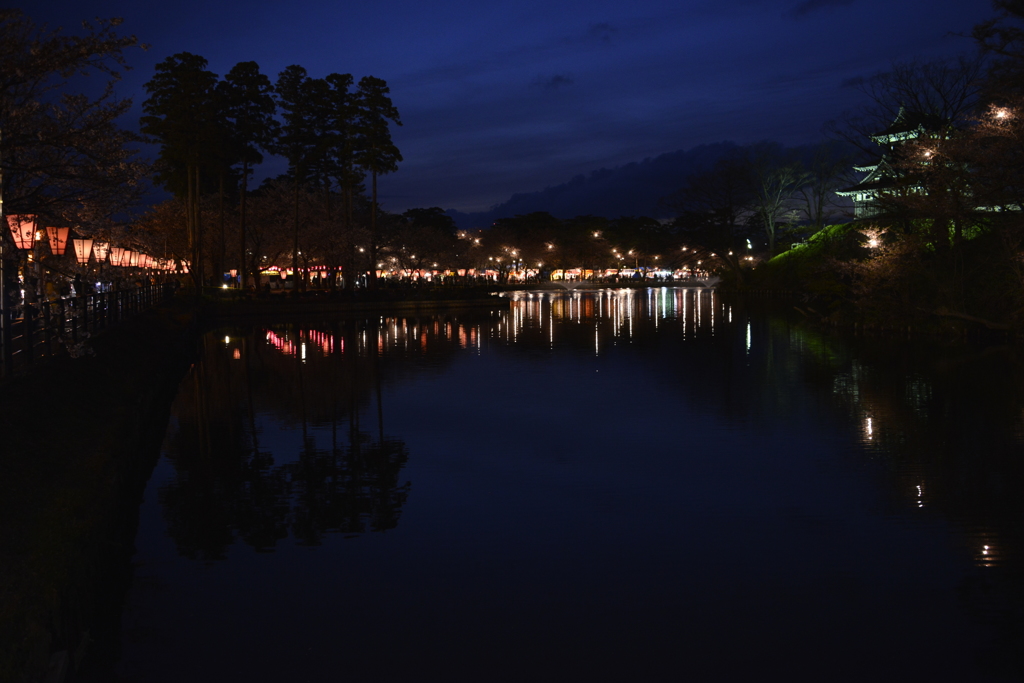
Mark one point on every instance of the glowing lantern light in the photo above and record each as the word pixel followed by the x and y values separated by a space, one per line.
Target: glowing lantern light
pixel 58 240
pixel 83 248
pixel 133 259
pixel 116 256
pixel 100 250
pixel 23 229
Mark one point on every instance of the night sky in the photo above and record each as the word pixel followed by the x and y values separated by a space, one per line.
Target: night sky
pixel 499 98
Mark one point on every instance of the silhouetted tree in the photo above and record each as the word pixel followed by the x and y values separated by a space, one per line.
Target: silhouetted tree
pixel 1003 37
pixel 714 209
pixel 247 98
pixel 63 154
pixel 183 116
pixel 376 153
pixel 297 141
pixel 828 168
pixel 944 90
pixel 775 179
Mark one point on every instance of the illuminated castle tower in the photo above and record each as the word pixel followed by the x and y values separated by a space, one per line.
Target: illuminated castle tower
pixel 881 175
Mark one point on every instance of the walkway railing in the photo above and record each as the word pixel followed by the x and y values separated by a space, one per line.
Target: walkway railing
pixel 32 333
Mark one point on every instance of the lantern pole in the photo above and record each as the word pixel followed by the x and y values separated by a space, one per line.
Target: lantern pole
pixel 5 313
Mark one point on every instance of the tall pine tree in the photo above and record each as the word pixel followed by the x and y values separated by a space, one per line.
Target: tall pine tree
pixel 376 153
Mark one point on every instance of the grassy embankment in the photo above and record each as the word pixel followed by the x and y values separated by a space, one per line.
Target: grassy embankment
pixel 856 276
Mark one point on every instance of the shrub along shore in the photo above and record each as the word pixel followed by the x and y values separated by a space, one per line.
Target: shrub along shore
pixel 865 278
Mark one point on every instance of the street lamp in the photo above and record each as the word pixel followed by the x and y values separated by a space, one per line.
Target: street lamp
pixel 23 230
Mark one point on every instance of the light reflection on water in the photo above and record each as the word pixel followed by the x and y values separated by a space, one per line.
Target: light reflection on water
pixel 592 485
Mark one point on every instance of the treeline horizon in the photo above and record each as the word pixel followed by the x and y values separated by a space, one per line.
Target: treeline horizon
pixel 733 205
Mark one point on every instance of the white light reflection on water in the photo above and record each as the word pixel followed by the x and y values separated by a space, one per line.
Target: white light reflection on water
pixel 671 477
pixel 614 312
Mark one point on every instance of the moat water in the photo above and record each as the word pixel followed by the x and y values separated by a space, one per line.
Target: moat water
pixel 614 485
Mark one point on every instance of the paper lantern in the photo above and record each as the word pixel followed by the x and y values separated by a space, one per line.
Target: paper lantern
pixel 23 229
pixel 83 248
pixel 58 240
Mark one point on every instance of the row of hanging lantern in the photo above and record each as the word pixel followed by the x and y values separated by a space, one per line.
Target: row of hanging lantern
pixel 24 231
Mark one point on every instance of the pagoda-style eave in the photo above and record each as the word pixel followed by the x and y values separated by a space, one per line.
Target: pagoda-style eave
pixel 868 186
pixel 898 136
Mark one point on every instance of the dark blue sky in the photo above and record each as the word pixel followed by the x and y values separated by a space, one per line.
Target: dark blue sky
pixel 502 97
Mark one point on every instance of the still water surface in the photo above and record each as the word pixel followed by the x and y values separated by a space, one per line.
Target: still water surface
pixel 616 485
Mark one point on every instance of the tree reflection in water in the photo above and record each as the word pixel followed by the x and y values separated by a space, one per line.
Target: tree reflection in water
pixel 232 482
pixel 725 478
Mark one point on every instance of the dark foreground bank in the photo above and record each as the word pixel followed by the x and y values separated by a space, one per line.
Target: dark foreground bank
pixel 79 439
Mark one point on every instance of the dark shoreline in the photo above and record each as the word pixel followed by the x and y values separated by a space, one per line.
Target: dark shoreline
pixel 80 439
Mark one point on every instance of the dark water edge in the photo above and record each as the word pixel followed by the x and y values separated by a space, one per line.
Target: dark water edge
pixel 976 492
pixel 952 414
pixel 80 439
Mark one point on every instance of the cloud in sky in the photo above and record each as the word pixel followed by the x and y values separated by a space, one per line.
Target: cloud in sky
pixel 810 6
pixel 602 31
pixel 553 82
